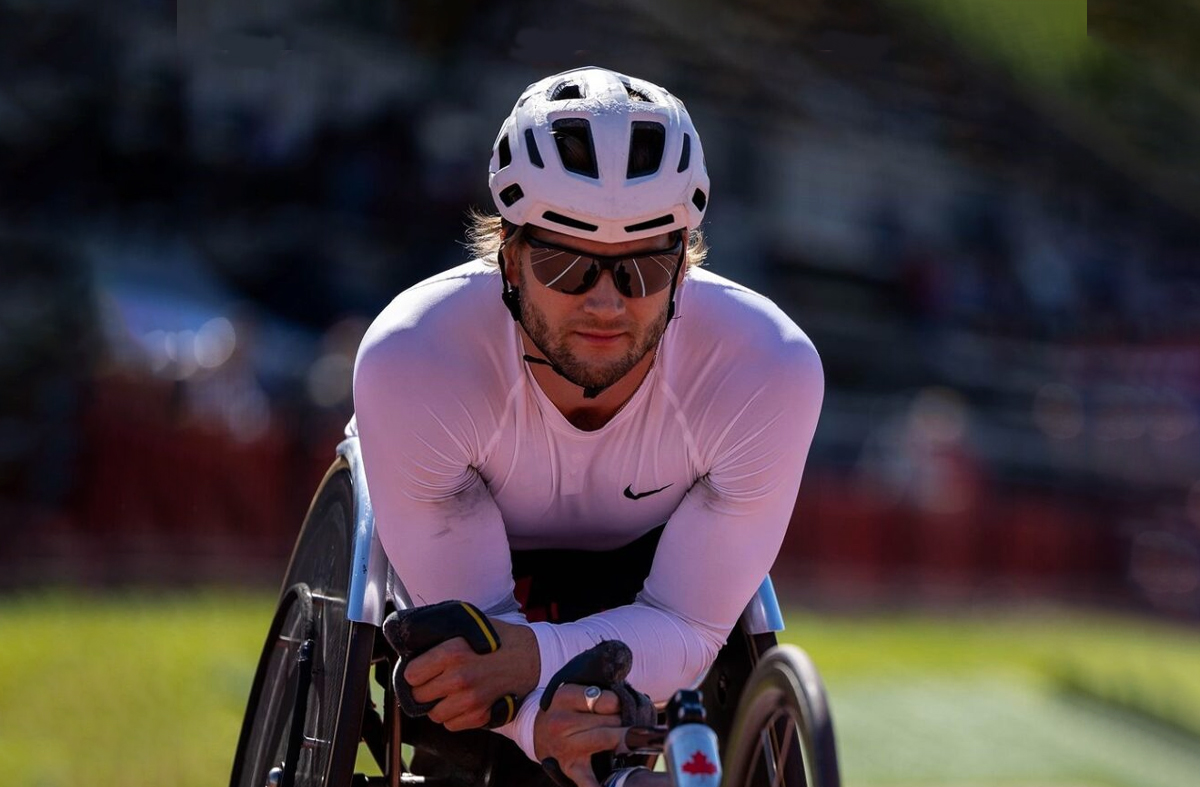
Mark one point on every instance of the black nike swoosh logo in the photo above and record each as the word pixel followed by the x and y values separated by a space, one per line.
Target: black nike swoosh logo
pixel 638 496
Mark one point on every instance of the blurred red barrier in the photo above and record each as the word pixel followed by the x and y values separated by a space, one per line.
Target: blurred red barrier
pixel 167 497
pixel 847 541
pixel 164 495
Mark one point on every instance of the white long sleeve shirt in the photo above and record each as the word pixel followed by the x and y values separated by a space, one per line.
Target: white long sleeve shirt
pixel 467 458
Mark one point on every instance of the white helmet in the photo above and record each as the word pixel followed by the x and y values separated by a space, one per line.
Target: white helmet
pixel 641 172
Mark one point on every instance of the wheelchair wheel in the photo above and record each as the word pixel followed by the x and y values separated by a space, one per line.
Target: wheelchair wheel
pixel 727 677
pixel 304 720
pixel 782 733
pixel 282 675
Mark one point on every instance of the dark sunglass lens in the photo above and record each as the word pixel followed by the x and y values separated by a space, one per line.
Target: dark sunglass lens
pixel 654 272
pixel 626 279
pixel 573 273
pixel 557 270
pixel 590 274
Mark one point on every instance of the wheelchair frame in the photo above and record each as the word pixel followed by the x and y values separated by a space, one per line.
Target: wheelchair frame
pixel 373 587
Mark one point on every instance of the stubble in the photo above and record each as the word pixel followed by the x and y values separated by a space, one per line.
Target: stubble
pixel 585 372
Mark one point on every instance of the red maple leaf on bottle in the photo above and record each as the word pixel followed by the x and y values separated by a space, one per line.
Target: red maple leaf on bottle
pixel 699 765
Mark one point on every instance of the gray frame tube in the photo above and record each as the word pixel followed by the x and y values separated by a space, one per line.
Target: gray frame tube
pixel 762 614
pixel 370 570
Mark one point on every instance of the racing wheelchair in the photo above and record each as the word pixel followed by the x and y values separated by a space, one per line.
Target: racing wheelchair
pixel 310 705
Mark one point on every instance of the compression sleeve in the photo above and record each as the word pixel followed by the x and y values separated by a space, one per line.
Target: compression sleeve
pixel 720 542
pixel 432 510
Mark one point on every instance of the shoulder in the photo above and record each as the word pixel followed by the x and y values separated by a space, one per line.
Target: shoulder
pixel 724 326
pixel 453 298
pixel 744 376
pixel 450 324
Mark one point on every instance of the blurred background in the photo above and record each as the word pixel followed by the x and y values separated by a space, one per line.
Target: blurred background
pixel 985 214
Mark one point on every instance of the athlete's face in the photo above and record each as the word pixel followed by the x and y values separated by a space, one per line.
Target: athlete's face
pixel 595 337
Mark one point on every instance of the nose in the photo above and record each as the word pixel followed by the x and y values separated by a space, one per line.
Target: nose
pixel 603 297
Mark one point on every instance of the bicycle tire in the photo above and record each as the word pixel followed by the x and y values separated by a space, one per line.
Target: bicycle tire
pixel 337 696
pixel 782 733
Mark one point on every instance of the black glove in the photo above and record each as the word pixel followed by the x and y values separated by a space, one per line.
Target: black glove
pixel 414 631
pixel 606 665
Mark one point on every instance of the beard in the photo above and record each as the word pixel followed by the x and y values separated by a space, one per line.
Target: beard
pixel 583 372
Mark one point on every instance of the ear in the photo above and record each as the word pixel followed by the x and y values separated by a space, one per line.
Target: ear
pixel 513 269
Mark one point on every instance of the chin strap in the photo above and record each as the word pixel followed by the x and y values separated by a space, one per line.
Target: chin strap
pixel 511 295
pixel 589 391
pixel 671 302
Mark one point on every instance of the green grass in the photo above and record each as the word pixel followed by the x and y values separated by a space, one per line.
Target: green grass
pixel 149 689
pixel 125 690
pixel 1022 642
pixel 1010 698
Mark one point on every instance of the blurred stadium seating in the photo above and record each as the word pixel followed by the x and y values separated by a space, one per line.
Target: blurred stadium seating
pixel 204 203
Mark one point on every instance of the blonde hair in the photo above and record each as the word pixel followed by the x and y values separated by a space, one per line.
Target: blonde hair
pixel 486 232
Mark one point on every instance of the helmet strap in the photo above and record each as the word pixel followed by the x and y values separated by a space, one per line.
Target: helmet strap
pixel 589 391
pixel 671 302
pixel 511 295
pixel 675 280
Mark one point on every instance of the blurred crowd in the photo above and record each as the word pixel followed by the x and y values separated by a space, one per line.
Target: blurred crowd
pixel 203 204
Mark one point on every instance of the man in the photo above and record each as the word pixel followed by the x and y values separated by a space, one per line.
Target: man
pixel 576 387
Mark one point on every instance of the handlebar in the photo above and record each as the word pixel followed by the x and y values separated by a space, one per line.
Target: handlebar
pixel 690 745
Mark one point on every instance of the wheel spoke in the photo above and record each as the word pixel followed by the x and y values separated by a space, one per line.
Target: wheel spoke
pixel 767 751
pixel 784 744
pixel 323 599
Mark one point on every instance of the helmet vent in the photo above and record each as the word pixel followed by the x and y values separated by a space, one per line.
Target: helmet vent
pixel 661 221
pixel 567 221
pixel 573 137
pixel 646 144
pixel 535 157
pixel 504 151
pixel 699 200
pixel 566 91
pixel 685 157
pixel 634 93
pixel 511 194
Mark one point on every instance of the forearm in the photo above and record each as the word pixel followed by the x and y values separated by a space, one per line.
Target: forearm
pixel 669 652
pixel 520 729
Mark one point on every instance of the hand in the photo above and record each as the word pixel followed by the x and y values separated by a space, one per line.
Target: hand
pixel 468 683
pixel 570 733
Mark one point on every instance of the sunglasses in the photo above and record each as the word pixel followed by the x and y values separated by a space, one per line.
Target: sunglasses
pixel 573 273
